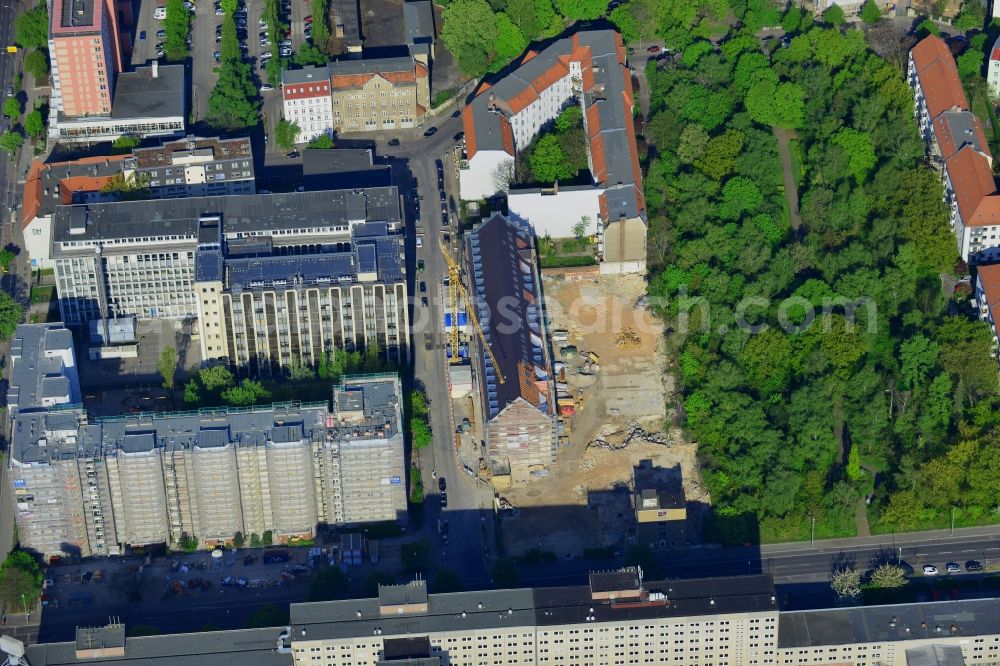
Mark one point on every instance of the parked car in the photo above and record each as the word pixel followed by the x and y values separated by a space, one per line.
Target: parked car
pixel 267 87
pixel 160 34
pixel 420 265
pixel 444 197
pixel 393 142
pixel 458 137
pixel 653 49
pixel 442 484
pixel 444 500
pixel 930 570
pixel 952 567
pixel 423 287
pixel 430 131
pixel 973 565
pixel 420 241
pixel 308 19
pixel 160 13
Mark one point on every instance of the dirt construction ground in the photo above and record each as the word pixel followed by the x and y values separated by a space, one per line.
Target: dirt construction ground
pixel 588 490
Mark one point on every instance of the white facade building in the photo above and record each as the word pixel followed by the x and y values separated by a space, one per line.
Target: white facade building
pixel 306 101
pixel 557 211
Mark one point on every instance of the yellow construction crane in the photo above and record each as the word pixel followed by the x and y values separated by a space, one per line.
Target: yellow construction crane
pixel 455 289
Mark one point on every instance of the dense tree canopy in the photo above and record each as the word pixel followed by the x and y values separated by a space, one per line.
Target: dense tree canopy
pixel 810 360
pixel 234 102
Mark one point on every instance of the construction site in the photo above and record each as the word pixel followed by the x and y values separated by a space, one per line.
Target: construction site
pixel 613 387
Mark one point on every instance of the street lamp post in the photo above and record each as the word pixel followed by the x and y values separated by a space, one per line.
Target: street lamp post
pixel 812 534
pixel 953 520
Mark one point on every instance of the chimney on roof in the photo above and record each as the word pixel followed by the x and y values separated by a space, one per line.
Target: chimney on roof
pixel 155 69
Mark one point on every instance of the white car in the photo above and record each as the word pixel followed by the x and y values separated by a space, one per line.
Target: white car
pixel 160 13
pixel 420 241
pixel 930 570
pixel 267 87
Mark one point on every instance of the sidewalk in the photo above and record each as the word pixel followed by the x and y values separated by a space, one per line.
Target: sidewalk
pixel 900 539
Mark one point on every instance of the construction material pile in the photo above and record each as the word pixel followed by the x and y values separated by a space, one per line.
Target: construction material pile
pixel 627 338
pixel 621 438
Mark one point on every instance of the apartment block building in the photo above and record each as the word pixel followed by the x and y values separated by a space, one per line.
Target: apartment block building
pixel 146 102
pixel 306 100
pixel 86 56
pixel 993 68
pixel 588 68
pixel 987 298
pixel 43 370
pixel 96 485
pixel 956 142
pixel 189 167
pixel 356 95
pixel 612 620
pixel 268 278
pixel 514 384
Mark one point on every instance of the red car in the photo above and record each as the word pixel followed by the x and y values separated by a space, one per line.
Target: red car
pixel 308 19
pixel 653 49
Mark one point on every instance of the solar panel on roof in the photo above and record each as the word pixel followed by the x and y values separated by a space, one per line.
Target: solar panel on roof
pixel 367 262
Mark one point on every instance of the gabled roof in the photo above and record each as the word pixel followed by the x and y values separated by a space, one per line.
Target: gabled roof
pixel 956 129
pixel 929 49
pixel 52 184
pixel 988 279
pixel 941 87
pixel 975 190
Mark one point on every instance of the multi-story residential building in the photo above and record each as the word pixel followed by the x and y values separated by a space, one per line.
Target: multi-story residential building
pixel 588 68
pixel 514 383
pixel 613 620
pixel 278 277
pixel 189 167
pixel 993 67
pixel 306 100
pixel 956 142
pixel 418 23
pixel 43 370
pixel 988 298
pixel 356 95
pixel 148 102
pixel 86 56
pixel 96 485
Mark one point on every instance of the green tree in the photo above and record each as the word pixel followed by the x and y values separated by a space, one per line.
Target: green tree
pixel 846 583
pixel 192 393
pixel 505 573
pixel 870 13
pixel 420 433
pixel 510 40
pixel 286 134
pixel 216 378
pixel 739 195
pixel 12 108
pixel 34 124
pixel 321 142
pixel 917 356
pixel 230 6
pixel 719 158
pixel 970 63
pixel 248 392
pixel 166 365
pixel 254 540
pixel 36 63
pixel 268 615
pixel 694 142
pixel 888 576
pixel 792 19
pixel 971 17
pixel 11 314
pixel 470 33
pixel 860 151
pixel 177 26
pixel 854 464
pixel 267 538
pixel 583 10
pixel 925 220
pixel 187 542
pixel 238 540
pixel 308 54
pixel 124 144
pixel 927 27
pixel 20 574
pixel 234 102
pixel 31 28
pixel 625 20
pixel 834 15
pixel 321 27
pixel 6 258
pixel 548 161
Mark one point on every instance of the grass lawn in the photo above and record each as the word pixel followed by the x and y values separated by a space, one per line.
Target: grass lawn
pixel 42 294
pixel 795 152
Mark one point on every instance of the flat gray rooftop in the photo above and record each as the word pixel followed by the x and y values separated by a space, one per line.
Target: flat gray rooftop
pixel 240 213
pixel 34 374
pixel 139 94
pixel 243 647
pixel 901 622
